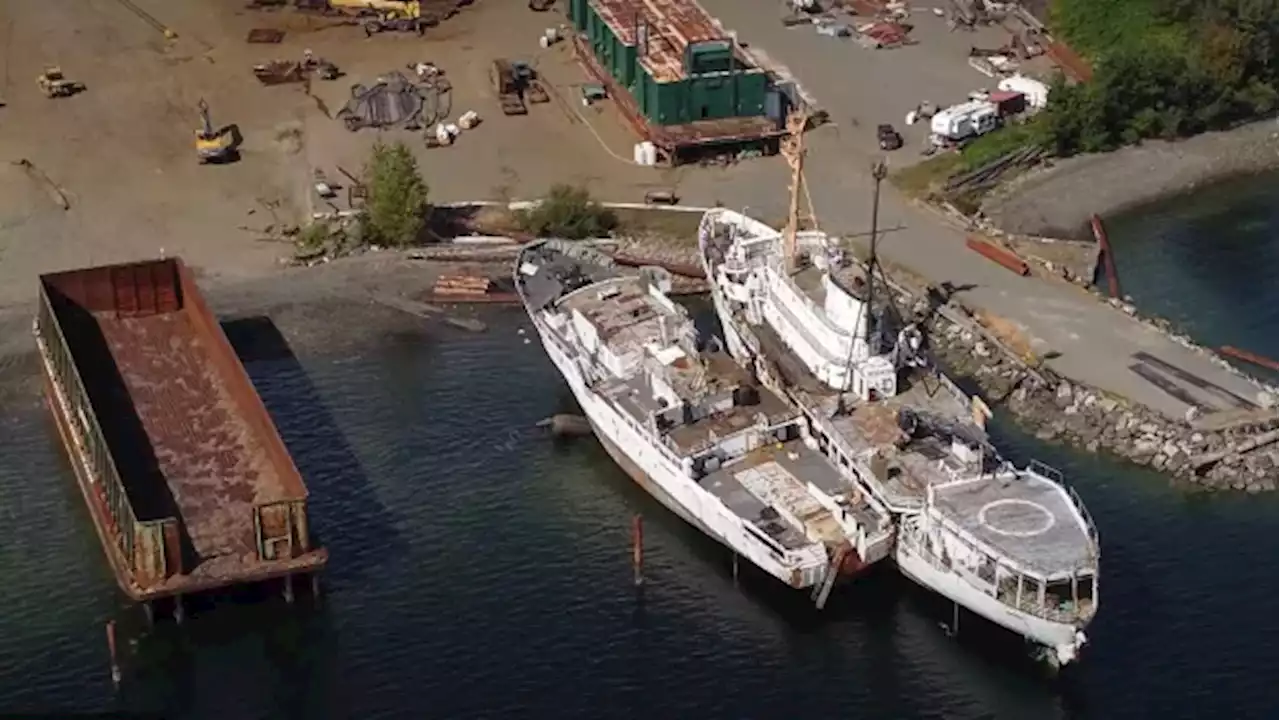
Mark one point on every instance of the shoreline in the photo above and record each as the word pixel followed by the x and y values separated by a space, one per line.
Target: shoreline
pixel 1057 201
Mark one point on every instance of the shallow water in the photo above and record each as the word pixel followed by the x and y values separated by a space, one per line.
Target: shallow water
pixel 479 570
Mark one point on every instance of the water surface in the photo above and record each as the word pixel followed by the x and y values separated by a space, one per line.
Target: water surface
pixel 480 570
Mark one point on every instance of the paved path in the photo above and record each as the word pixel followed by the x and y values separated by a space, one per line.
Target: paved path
pixel 1096 344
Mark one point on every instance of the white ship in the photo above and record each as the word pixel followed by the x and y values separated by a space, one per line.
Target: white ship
pixel 691 426
pixel 1016 547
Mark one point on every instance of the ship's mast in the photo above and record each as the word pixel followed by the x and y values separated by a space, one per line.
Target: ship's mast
pixel 792 147
pixel 878 172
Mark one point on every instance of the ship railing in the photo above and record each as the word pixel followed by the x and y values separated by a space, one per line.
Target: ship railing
pixel 1053 475
pixel 141 543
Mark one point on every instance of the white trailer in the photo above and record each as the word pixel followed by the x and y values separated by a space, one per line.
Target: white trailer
pixel 969 119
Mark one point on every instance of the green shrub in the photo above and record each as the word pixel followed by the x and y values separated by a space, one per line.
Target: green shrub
pixel 568 212
pixel 396 209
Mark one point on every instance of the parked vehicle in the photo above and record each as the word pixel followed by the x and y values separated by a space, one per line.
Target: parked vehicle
pixel 966 120
pixel 889 138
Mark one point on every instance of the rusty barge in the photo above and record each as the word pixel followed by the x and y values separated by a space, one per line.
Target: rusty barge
pixel 188 483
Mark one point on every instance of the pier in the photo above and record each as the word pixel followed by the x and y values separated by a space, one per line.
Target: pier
pixel 188 483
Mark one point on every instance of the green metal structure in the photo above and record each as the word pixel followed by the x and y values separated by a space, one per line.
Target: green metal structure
pixel 674 79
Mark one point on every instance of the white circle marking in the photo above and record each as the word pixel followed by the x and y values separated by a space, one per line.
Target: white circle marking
pixel 1048 521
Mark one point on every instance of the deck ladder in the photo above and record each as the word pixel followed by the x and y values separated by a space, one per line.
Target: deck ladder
pixel 822 590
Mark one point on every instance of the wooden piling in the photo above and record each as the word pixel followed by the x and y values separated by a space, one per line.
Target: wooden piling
pixel 637 549
pixel 288 589
pixel 179 612
pixel 111 648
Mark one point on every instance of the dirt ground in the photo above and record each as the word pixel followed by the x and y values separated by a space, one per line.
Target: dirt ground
pixel 122 151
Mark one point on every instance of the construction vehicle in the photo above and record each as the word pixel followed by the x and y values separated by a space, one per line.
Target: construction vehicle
pixel 54 84
pixel 508 84
pixel 211 145
pixel 384 15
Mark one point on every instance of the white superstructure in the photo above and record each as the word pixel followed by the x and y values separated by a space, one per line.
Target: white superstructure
pixel 690 425
pixel 1016 547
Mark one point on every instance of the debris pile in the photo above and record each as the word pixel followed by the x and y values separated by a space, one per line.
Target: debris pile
pixel 392 101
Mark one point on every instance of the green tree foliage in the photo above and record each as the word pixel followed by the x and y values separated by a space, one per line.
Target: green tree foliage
pixel 568 212
pixel 396 209
pixel 1162 69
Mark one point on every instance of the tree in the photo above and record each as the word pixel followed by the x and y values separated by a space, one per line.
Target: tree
pixel 568 212
pixel 396 209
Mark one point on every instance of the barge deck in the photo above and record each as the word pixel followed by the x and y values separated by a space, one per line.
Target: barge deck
pixel 188 482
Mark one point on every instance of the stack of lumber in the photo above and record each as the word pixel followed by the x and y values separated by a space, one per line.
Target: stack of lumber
pixel 461 286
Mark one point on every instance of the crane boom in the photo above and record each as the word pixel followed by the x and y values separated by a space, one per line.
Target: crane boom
pixel 793 149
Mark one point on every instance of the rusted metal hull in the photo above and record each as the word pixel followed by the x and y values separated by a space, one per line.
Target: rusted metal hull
pixel 187 482
pixel 999 256
pixel 1108 259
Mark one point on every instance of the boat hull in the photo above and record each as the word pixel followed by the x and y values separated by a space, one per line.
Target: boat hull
pixel 663 480
pixel 1064 639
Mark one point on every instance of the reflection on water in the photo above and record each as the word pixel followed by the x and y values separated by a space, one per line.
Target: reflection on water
pixel 1208 263
pixel 480 569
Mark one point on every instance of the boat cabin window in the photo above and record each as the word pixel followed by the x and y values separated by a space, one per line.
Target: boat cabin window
pixel 1085 586
pixel 1057 593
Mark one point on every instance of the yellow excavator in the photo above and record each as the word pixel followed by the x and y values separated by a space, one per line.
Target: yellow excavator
pixel 211 145
pixel 384 15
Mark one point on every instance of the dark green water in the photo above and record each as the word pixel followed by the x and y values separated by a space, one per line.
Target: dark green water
pixel 1208 262
pixel 480 570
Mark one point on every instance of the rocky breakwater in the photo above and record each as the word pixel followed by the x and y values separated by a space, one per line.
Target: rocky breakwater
pixel 1236 453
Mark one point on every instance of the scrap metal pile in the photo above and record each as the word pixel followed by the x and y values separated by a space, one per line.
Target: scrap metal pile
pixel 393 101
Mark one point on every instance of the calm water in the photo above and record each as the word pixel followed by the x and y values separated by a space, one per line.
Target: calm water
pixel 480 570
pixel 1208 262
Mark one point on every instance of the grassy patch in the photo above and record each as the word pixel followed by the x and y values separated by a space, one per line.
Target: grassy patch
pixel 1001 142
pixel 923 179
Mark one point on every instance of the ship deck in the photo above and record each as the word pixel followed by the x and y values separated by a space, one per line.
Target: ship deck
pixel 924 460
pixel 559 273
pixel 870 426
pixel 775 475
pixel 202 444
pixel 1026 518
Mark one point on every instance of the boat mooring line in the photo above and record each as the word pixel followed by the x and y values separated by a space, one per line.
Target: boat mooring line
pixel 1049 520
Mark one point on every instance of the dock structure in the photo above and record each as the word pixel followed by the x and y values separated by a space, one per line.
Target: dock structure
pixel 188 482
pixel 679 79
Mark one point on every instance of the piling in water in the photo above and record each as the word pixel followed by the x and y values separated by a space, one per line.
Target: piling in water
pixel 637 549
